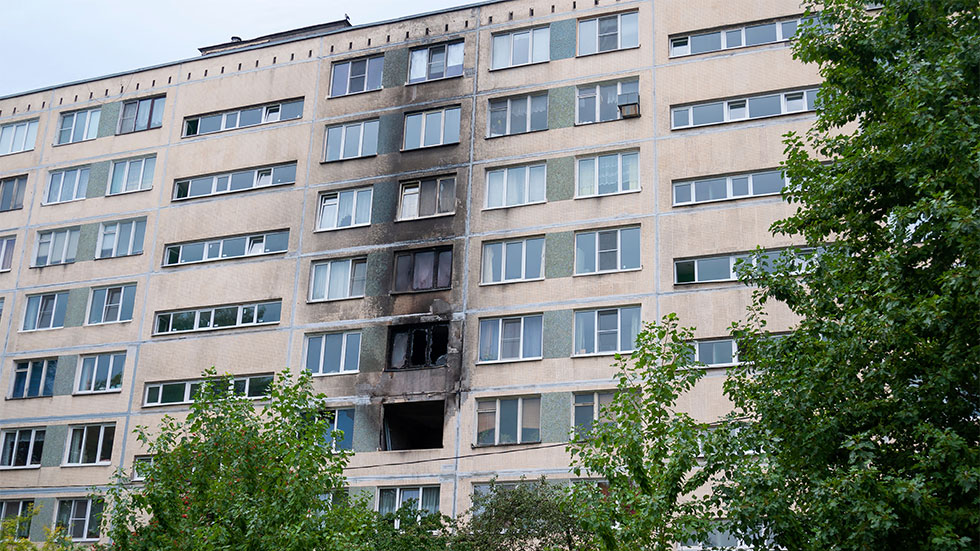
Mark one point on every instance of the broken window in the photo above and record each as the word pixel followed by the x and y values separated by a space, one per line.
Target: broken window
pixel 412 425
pixel 419 346
pixel 424 270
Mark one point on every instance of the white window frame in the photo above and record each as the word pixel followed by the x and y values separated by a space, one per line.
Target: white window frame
pixel 135 475
pixel 12 508
pixel 112 228
pixel 117 365
pixel 15 137
pixel 534 35
pixel 17 186
pixel 79 185
pixel 598 251
pixel 99 447
pixel 522 319
pixel 595 322
pixel 508 106
pixel 209 310
pixel 58 297
pixel 680 45
pixel 87 519
pixel 69 248
pixel 7 244
pixel 619 33
pixel 425 118
pixel 352 282
pixel 732 107
pixel 144 180
pixel 189 389
pixel 15 432
pixel 367 71
pixel 503 260
pixel 332 198
pixel 334 426
pixel 262 177
pixel 122 289
pixel 251 241
pixel 153 103
pixel 233 123
pixel 344 129
pixel 505 173
pixel 496 421
pixel 47 365
pixel 697 352
pixel 400 500
pixel 596 397
pixel 732 258
pixel 621 189
pixel 416 185
pixel 729 187
pixel 458 45
pixel 90 128
pixel 345 343
pixel 595 90
pixel 436 265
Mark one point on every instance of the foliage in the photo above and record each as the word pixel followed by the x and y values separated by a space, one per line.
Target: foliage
pixel 407 529
pixel 864 419
pixel 529 516
pixel 55 539
pixel 646 450
pixel 234 476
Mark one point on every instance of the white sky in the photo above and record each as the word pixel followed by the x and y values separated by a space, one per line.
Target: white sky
pixel 49 42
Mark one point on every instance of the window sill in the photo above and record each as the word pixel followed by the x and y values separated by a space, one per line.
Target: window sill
pixel 118 256
pixel 726 50
pixel 211 329
pixel 16 152
pixel 77 141
pixel 117 322
pixel 733 280
pixel 26 397
pixel 41 329
pixel 605 272
pixel 389 369
pixel 331 161
pixel 419 291
pixel 475 446
pixel 579 56
pixel 334 374
pixel 167 404
pixel 510 282
pixel 352 226
pixel 356 93
pixel 726 199
pixel 49 265
pixel 97 392
pixel 75 200
pixel 600 195
pixel 509 361
pixel 515 206
pixel 179 264
pixel 617 119
pixel 737 121
pixel 601 354
pixel 434 146
pixel 138 131
pixel 531 64
pixel 491 137
pixel 21 468
pixel 323 300
pixel 77 465
pixel 443 215
pixel 232 192
pixel 5 270
pixel 127 192
pixel 440 79
pixel 226 130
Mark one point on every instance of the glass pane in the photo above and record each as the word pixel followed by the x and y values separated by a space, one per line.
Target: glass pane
pixel 501 51
pixel 452 126
pixel 352 140
pixel 492 262
pixel 584 332
pixel 518 115
pixel 795 102
pixel 352 353
pixel 681 117
pixel 608 174
pixel 764 106
pixel 629 248
pixel 508 421
pixel 332 352
pixel 708 190
pixel 489 339
pixel 225 317
pixel 531 420
pixel 630 176
pixel 447 195
pixel 705 42
pixel 536 184
pixel 760 34
pixel 708 114
pixel 454 60
pixel 733 39
pixel 541 45
pixel 210 123
pixel 338 85
pixel 713 269
pixel 608 29
pixel 522 48
pixel 375 70
pixel 339 284
pixel 585 253
pixel 587 33
pixel 609 104
pixel 413 131
pixel 532 337
pixel 510 339
pixel 495 188
pixel 740 186
pixel 345 209
pixel 767 182
pixel 515 186
pixel 423 273
pixel 444 275
pixel 250 117
pixel 437 62
pixel 427 198
pixel 586 177
pixel 314 347
pixel 629 327
pixel 369 141
pixel 788 28
pixel 417 68
pixel 534 258
pixel 684 271
pixel 586 108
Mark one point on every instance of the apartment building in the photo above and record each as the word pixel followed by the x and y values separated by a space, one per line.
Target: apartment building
pixel 453 220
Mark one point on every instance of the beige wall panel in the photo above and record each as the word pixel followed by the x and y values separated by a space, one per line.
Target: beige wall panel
pixel 240 150
pixel 706 401
pixel 242 89
pixel 115 207
pixel 254 211
pixel 240 352
pixel 683 17
pixel 93 272
pixel 223 284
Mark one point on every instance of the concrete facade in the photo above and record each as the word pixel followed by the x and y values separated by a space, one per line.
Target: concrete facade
pixel 288 67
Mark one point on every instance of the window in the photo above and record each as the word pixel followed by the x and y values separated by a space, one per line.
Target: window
pixel 419 346
pixel 338 279
pixel 236 181
pixel 81 518
pixel 700 270
pixel 430 197
pixel 101 373
pixel 508 420
pixel 604 34
pixel 345 209
pixel 717 539
pixel 7 252
pixel 518 115
pixel 184 392
pixel 226 247
pixel 112 304
pixel 606 330
pixel 141 114
pixel 587 407
pixel 218 317
pixel 21 447
pixel 607 251
pixel 66 185
pixel 733 38
pixel 121 238
pixel 519 260
pixel 716 353
pixel 90 444
pixel 516 338
pixel 333 353
pixel 521 47
pixel 431 128
pixel 359 75
pixel 435 62
pixel 424 499
pixel 56 247
pixel 12 193
pixel 352 140
pixel 424 270
pixel 608 174
pixel 34 378
pixel 723 188
pixel 78 126
pixel 519 185
pixel 141 464
pixel 600 102
pixel 414 425
pixel 17 136
pixel 45 311
pixel 342 420
pixel 22 508
pixel 240 118
pixel 132 175
pixel 755 107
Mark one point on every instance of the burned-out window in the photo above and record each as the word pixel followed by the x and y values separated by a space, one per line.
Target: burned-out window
pixel 413 425
pixel 424 270
pixel 419 346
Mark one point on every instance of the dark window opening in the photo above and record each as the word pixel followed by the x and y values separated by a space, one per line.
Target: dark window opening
pixel 419 346
pixel 423 270
pixel 412 426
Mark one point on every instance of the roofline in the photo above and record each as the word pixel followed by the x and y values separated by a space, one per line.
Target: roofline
pixel 257 46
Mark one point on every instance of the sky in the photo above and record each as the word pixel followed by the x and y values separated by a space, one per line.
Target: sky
pixel 49 42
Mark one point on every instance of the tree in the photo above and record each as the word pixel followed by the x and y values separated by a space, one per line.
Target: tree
pixel 234 476
pixel 532 515
pixel 12 528
pixel 863 422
